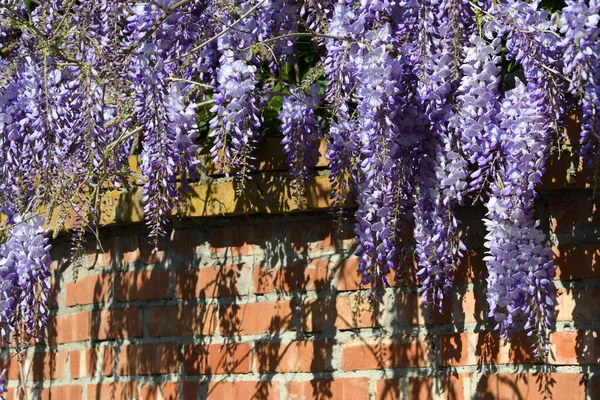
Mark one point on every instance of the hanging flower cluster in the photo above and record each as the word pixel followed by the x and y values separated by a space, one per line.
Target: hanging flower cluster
pixel 425 105
pixel 24 273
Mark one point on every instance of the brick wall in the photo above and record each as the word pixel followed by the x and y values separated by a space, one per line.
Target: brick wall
pixel 268 306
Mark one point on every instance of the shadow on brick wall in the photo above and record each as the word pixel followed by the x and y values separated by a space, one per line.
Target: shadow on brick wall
pixel 274 304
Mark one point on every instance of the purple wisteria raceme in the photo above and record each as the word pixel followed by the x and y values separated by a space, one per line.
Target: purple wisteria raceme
pixel 24 272
pixel 382 199
pixel 443 169
pixel 236 123
pixel 301 132
pixel 477 99
pixel 531 40
pixel 581 45
pixel 520 268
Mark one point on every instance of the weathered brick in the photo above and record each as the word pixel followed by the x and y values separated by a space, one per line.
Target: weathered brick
pixel 575 348
pixel 66 392
pixel 472 267
pixel 54 297
pixel 383 353
pixel 469 307
pixel 578 305
pixel 209 282
pixel 162 391
pixel 256 318
pixel 143 285
pixel 237 241
pixel 297 356
pixel 47 365
pixel 91 362
pixel 88 290
pixel 346 275
pixel 484 348
pixel 595 388
pixel 241 390
pixel 579 261
pixel 11 364
pixel 182 321
pixel 117 324
pixel 343 313
pixel 113 390
pixel 531 387
pixel 149 359
pixel 297 277
pixel 447 387
pixel 230 358
pixel 340 388
pixel 69 328
pixel 408 310
pixel 121 249
pixel 573 212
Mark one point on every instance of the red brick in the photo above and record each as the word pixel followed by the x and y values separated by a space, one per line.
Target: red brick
pixel 581 261
pixel 231 358
pixel 575 348
pixel 241 390
pixel 122 249
pixel 472 267
pixel 99 259
pixel 162 391
pixel 255 318
pixel 237 241
pixel 47 366
pixel 349 312
pixel 294 357
pixel 113 390
pixel 88 290
pixel 579 305
pixel 117 324
pixel 185 242
pixel 408 309
pixel 69 328
pixel 292 278
pixel 91 362
pixel 149 359
pixel 339 389
pixel 447 387
pixel 12 394
pixel 209 282
pixel 569 214
pixel 144 285
pixel 12 367
pixel 182 321
pixel 55 291
pixel 531 387
pixel 595 388
pixel 346 275
pixel 383 353
pixel 485 348
pixel 469 307
pixel 73 392
pixel 151 252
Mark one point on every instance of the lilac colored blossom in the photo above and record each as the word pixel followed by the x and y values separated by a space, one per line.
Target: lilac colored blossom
pixel 520 268
pixel 24 268
pixel 531 40
pixel 235 125
pixel 301 131
pixel 421 118
pixel 581 46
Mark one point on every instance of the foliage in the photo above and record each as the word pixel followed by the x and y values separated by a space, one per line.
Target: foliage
pixel 426 105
